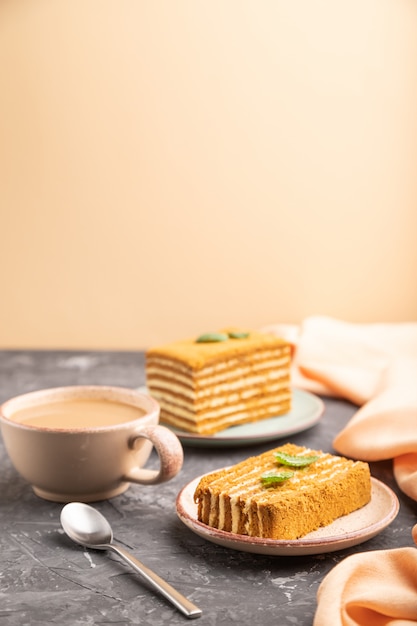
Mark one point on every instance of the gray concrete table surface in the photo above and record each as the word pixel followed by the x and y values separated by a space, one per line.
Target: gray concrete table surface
pixel 47 579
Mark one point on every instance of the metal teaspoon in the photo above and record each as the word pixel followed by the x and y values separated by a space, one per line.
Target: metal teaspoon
pixel 86 526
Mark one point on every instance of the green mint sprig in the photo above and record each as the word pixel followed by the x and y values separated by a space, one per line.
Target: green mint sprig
pixel 273 477
pixel 216 337
pixel 293 460
pixel 212 337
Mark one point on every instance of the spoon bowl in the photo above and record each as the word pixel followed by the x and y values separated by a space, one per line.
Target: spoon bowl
pixel 88 527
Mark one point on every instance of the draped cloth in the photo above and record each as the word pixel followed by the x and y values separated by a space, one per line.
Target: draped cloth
pixel 375 367
pixel 376 588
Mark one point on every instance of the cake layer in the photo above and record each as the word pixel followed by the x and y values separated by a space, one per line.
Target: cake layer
pixel 217 397
pixel 248 363
pixel 272 368
pixel 236 500
pixel 196 356
pixel 215 423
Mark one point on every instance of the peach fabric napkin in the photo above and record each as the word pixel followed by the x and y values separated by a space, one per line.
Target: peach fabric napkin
pixel 370 589
pixel 373 366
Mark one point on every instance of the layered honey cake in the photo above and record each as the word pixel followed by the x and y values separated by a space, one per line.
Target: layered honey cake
pixel 211 382
pixel 285 493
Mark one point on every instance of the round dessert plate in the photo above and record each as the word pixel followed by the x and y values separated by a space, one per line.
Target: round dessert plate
pixel 349 530
pixel 307 409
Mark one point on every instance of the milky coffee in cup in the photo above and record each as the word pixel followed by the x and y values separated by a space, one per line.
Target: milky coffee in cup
pixel 77 413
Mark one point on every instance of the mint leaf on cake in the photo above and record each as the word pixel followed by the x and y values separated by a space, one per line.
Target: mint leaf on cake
pixel 272 477
pixel 294 460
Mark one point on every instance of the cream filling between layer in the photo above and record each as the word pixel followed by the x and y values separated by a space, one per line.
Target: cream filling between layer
pixel 231 413
pixel 166 379
pixel 219 367
pixel 248 385
pixel 244 397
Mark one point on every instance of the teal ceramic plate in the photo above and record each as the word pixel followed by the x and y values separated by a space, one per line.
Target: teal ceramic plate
pixel 307 410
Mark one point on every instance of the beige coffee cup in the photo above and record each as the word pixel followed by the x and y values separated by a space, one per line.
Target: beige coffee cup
pixel 87 443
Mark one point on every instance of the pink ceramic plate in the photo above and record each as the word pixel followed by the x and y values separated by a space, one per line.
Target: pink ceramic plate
pixel 345 532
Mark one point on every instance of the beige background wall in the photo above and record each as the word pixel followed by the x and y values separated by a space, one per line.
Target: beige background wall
pixel 169 167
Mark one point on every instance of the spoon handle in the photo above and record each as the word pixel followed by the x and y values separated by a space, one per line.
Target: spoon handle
pixel 178 600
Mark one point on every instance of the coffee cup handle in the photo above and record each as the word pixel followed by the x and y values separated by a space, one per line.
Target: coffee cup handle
pixel 169 450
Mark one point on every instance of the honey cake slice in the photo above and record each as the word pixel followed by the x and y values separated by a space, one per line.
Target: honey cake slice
pixel 238 501
pixel 206 384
